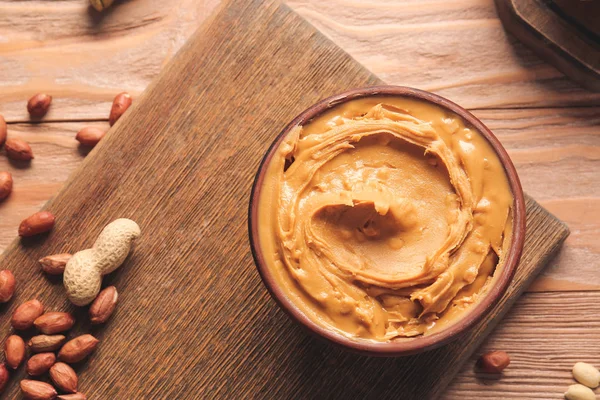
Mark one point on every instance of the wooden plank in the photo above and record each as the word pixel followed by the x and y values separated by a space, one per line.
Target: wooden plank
pixel 194 320
pixel 557 155
pixel 84 58
pixel 551 145
pixel 57 155
pixel 455 48
pixel 545 335
pixel 576 266
pixel 571 136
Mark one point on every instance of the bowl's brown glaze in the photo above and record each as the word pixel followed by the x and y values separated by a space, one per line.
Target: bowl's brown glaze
pixel 420 343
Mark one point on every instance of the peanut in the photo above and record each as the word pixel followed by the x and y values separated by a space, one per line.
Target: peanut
pixel 77 349
pixel 55 264
pixel 36 390
pixel 4 377
pixel 90 136
pixel 14 351
pixel 44 343
pixel 64 378
pixel 586 374
pixel 7 285
pixel 40 363
pixel 17 149
pixel 25 314
pixel 6 184
pixel 494 362
pixel 38 105
pixel 84 271
pixel 54 322
pixel 104 305
pixel 579 392
pixel 37 223
pixel 120 104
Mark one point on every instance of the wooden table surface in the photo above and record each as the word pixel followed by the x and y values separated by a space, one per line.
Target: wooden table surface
pixel 456 48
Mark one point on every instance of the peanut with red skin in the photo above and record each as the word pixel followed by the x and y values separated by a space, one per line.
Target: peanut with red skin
pixel 36 390
pixel 6 184
pixel 19 150
pixel 4 377
pixel 104 305
pixel 14 351
pixel 26 313
pixel 38 105
pixel 64 378
pixel 54 322
pixel 494 362
pixel 45 343
pixel 120 104
pixel 55 264
pixel 90 136
pixel 40 363
pixel 7 285
pixel 77 349
pixel 40 222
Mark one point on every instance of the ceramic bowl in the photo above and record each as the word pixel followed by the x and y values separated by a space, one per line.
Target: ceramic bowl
pixel 420 343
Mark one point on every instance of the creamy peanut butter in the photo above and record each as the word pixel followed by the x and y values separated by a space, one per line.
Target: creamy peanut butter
pixel 385 217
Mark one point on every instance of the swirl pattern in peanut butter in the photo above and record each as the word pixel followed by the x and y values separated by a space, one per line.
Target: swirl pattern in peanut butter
pixel 385 218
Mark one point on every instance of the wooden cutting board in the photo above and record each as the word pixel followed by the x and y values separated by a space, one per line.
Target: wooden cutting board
pixel 194 320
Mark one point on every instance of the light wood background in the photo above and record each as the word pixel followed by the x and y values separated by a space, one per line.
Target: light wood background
pixel 456 48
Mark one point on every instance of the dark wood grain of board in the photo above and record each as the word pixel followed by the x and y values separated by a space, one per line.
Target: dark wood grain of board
pixel 194 320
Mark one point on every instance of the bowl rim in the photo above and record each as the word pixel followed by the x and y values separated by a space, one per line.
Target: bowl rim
pixel 420 343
